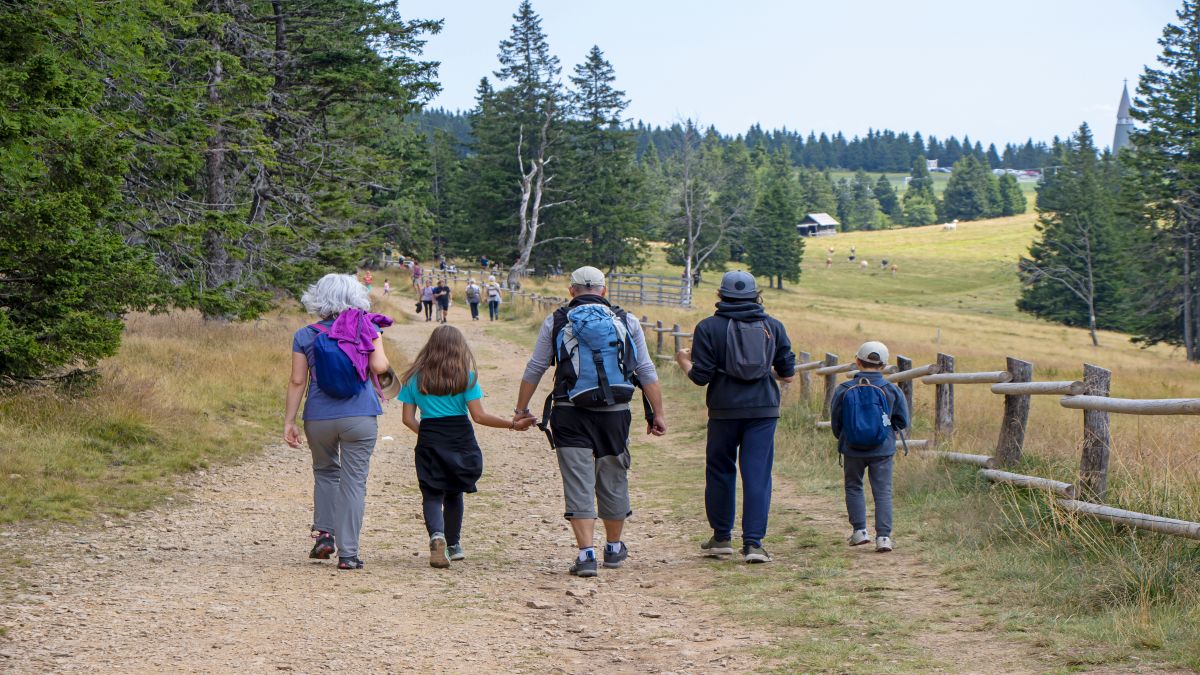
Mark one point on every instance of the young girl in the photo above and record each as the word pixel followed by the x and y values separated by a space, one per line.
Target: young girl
pixel 442 382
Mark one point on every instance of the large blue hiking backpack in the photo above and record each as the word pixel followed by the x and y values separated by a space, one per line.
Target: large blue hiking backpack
pixel 332 369
pixel 866 416
pixel 595 357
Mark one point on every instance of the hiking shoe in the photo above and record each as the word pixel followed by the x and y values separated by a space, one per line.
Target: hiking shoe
pixel 455 552
pixel 614 560
pixel 756 554
pixel 715 547
pixel 324 547
pixel 350 563
pixel 883 544
pixel 584 568
pixel 437 552
pixel 860 537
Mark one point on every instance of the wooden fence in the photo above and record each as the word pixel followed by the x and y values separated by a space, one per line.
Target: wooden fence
pixel 1016 384
pixel 643 289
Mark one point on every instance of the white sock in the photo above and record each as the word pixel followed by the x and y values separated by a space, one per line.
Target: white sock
pixel 589 552
pixel 613 547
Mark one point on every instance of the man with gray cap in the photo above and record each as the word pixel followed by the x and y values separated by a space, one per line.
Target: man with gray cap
pixel 599 353
pixel 734 352
pixel 865 415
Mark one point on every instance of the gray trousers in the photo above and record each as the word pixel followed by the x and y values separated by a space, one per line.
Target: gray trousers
pixel 879 469
pixel 341 455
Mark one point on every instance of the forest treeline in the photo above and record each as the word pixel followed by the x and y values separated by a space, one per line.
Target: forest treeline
pixel 220 154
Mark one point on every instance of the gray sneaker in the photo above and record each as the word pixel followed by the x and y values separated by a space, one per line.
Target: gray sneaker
pixel 614 560
pixel 437 551
pixel 456 552
pixel 883 544
pixel 859 537
pixel 715 547
pixel 584 568
pixel 756 554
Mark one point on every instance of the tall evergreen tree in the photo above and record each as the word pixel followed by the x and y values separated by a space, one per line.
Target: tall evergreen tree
pixel 774 247
pixel 1073 271
pixel 1012 199
pixel 972 192
pixel 816 192
pixel 863 212
pixel 889 203
pixel 920 201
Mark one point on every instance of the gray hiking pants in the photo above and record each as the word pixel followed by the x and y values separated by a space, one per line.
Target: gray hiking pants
pixel 879 471
pixel 341 454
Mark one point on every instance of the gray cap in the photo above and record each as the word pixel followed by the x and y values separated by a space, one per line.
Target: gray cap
pixel 873 352
pixel 587 276
pixel 738 285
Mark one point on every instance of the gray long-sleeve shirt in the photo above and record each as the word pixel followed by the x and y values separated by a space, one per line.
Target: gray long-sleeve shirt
pixel 543 349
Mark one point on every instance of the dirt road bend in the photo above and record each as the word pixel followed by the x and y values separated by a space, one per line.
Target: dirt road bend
pixel 219 580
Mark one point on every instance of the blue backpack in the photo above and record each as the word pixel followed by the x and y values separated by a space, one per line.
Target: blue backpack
pixel 332 369
pixel 866 416
pixel 595 357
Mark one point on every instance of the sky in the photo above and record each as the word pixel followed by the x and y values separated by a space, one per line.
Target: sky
pixel 998 71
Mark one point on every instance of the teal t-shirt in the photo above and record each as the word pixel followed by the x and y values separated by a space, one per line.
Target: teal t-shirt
pixel 440 406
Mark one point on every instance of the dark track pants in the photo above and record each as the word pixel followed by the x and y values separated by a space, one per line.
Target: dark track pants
pixel 747 444
pixel 443 513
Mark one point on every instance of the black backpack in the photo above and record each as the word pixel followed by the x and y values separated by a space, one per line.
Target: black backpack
pixel 749 349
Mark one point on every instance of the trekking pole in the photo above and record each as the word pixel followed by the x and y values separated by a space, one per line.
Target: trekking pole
pixel 900 432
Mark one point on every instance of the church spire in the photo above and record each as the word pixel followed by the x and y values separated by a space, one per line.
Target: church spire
pixel 1124 121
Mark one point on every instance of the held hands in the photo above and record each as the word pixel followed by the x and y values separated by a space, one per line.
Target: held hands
pixel 523 419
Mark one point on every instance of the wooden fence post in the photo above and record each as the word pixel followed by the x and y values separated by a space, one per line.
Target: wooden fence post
pixel 658 329
pixel 805 377
pixel 904 363
pixel 830 385
pixel 678 339
pixel 1016 417
pixel 1097 440
pixel 943 420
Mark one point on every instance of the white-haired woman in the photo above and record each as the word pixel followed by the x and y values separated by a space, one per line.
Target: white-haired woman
pixel 337 359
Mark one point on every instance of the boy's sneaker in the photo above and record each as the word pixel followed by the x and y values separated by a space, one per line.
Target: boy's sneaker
pixel 756 554
pixel 584 568
pixel 716 547
pixel 614 560
pixel 455 552
pixel 859 538
pixel 883 544
pixel 350 563
pixel 324 547
pixel 437 551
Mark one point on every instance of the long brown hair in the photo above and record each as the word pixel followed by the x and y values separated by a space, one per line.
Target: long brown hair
pixel 445 363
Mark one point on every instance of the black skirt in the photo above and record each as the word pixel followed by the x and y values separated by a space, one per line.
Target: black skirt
pixel 448 457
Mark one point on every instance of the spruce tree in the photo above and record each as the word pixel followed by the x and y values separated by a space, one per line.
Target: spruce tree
pixel 1012 199
pixel 920 202
pixel 972 192
pixel 773 245
pixel 889 203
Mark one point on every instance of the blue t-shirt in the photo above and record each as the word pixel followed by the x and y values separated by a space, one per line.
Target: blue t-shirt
pixel 440 406
pixel 321 406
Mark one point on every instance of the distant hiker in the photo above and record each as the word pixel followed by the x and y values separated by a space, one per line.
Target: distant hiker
pixel 441 295
pixel 387 287
pixel 442 264
pixel 367 278
pixel 417 273
pixel 734 352
pixel 865 415
pixel 474 294
pixel 493 298
pixel 338 359
pixel 427 300
pixel 443 383
pixel 599 353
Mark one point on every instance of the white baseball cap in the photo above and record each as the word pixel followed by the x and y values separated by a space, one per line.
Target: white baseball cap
pixel 873 352
pixel 587 276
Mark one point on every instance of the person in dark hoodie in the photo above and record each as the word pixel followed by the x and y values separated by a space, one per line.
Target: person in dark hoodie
pixel 742 413
pixel 875 461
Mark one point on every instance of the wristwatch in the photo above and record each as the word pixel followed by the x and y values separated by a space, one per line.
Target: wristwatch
pixel 520 411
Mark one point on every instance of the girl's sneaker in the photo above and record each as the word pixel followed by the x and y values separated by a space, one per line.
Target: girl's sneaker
pixel 350 563
pixel 860 537
pixel 437 551
pixel 324 547
pixel 883 544
pixel 456 552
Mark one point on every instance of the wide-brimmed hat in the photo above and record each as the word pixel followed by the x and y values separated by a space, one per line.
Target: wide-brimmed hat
pixel 389 384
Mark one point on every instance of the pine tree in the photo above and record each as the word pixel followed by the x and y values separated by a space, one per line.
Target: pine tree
pixel 816 192
pixel 66 278
pixel 1072 274
pixel 889 203
pixel 774 247
pixel 863 212
pixel 920 201
pixel 1012 199
pixel 1166 159
pixel 972 192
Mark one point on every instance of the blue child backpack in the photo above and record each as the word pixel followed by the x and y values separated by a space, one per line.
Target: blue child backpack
pixel 866 416
pixel 332 369
pixel 595 357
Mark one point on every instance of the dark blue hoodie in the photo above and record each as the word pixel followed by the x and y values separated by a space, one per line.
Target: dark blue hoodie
pixel 899 414
pixel 729 398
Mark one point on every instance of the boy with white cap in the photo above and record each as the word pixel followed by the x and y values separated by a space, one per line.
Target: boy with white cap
pixel 865 415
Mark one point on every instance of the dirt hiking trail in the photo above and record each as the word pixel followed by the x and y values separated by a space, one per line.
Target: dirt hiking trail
pixel 219 580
